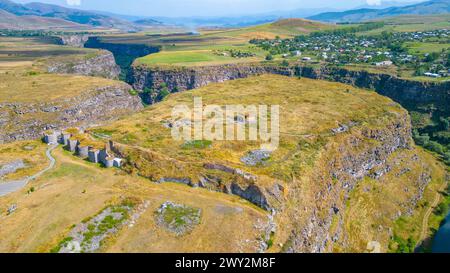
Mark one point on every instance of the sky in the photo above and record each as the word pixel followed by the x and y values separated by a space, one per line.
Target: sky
pixel 175 8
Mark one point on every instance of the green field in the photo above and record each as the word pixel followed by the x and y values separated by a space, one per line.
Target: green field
pixel 191 50
pixel 409 23
pixel 189 58
pixel 426 47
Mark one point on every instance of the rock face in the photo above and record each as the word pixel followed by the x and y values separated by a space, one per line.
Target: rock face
pixel 100 65
pixel 20 121
pixel 400 90
pixel 346 162
pixel 124 54
pixel 308 212
pixel 72 40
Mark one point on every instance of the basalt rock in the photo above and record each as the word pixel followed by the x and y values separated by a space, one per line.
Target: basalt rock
pixel 100 65
pixel 76 40
pixel 406 92
pixel 29 120
pixel 354 157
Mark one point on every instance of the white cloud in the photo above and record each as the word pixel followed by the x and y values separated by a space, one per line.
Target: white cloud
pixel 73 2
pixel 374 2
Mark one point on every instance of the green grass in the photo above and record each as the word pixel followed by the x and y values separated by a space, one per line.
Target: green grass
pixel 199 57
pixel 422 48
pixel 176 57
pixel 61 244
pixel 178 216
pixel 105 226
pixel 409 23
pixel 197 144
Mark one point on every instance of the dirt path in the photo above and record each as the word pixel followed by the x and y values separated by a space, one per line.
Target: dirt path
pixel 13 186
pixel 424 232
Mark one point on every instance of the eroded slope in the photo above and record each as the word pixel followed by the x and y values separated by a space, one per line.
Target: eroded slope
pixel 334 137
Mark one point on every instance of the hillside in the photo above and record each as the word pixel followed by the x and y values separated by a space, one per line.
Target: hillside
pixel 148 22
pixel 359 15
pixel 43 85
pixel 66 14
pixel 32 22
pixel 313 176
pixel 216 46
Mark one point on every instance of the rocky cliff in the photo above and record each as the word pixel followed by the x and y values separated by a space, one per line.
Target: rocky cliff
pixel 19 121
pixel 406 92
pixel 344 164
pixel 77 40
pixel 124 54
pixel 312 188
pixel 101 64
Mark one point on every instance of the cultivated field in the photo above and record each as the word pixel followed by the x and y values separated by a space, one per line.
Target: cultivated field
pixel 413 23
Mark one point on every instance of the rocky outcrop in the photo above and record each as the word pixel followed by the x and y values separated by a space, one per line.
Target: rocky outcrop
pixel 124 53
pixel 184 78
pixel 346 163
pixel 76 40
pixel 406 92
pixel 101 64
pixel 20 121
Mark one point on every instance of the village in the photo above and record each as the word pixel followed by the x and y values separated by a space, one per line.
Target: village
pixel 76 141
pixel 384 50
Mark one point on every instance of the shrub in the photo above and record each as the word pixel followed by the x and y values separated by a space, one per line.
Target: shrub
pixel 421 139
pixel 133 92
pixel 162 94
pixel 435 147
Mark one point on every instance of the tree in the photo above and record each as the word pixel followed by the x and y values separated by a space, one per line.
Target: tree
pixel 435 147
pixel 421 139
pixel 447 157
pixel 431 57
pixel 269 57
pixel 445 123
pixel 163 93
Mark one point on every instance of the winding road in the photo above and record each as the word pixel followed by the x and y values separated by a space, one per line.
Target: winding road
pixel 13 186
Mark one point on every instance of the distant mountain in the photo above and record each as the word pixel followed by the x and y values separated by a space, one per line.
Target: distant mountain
pixel 32 22
pixel 16 9
pixel 67 14
pixel 240 20
pixel 388 4
pixel 147 22
pixel 358 15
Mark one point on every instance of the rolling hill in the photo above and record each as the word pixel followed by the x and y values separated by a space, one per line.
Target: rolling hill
pixel 32 22
pixel 358 15
pixel 73 15
pixel 147 22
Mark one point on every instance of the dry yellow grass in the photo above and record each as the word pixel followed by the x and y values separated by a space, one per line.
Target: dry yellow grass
pixel 76 189
pixel 308 109
pixel 23 87
pixel 32 153
pixel 374 205
pixel 23 66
